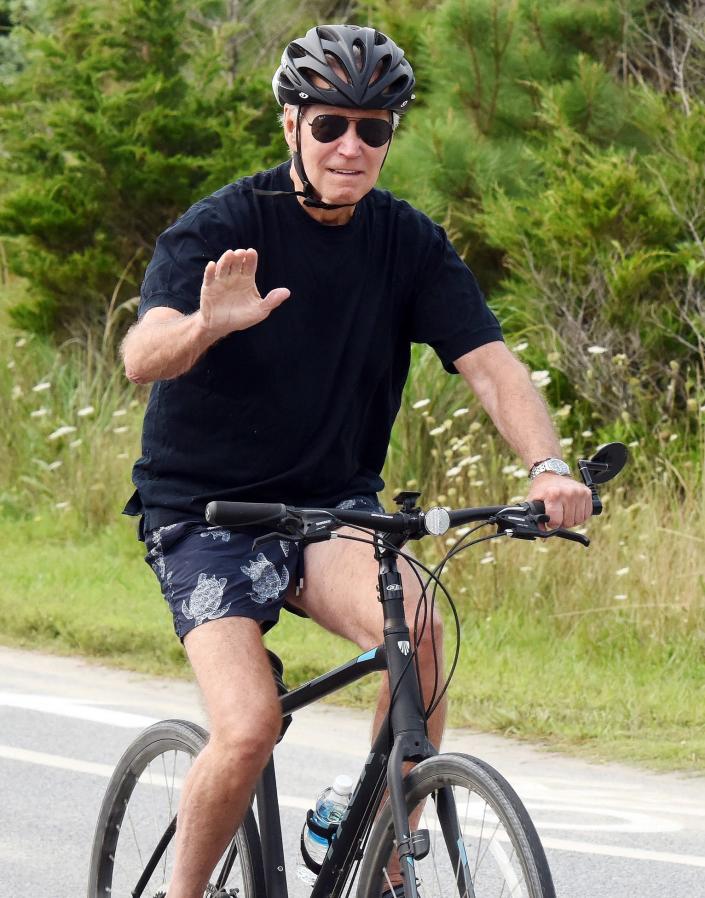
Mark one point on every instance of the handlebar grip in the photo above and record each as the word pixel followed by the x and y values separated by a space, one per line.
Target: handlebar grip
pixel 536 507
pixel 245 514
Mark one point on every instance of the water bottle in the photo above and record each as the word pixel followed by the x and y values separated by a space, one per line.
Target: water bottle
pixel 330 807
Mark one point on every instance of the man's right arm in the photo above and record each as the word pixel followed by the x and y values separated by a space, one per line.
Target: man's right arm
pixel 165 343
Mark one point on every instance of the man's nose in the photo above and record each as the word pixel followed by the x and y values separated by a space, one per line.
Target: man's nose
pixel 350 141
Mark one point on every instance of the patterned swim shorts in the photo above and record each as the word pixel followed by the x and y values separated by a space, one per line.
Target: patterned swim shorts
pixel 206 573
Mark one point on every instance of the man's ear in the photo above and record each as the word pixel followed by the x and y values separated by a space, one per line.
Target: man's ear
pixel 290 127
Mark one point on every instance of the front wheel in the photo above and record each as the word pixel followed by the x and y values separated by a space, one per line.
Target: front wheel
pixel 133 847
pixel 482 843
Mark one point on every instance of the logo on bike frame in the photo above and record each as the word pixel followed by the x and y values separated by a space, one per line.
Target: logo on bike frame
pixel 404 646
pixel 394 587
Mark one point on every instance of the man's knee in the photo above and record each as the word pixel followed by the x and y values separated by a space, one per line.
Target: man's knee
pixel 245 741
pixel 427 626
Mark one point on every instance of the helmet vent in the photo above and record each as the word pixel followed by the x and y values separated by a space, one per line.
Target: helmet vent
pixel 381 69
pixel 397 85
pixel 318 81
pixel 326 35
pixel 359 54
pixel 380 38
pixel 336 64
pixel 295 50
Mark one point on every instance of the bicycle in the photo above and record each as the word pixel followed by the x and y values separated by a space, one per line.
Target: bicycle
pixel 474 837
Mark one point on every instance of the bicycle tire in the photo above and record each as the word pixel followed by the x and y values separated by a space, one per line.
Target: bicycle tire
pixel 118 856
pixel 482 796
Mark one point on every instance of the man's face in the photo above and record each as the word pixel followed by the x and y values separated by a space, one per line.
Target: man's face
pixel 345 169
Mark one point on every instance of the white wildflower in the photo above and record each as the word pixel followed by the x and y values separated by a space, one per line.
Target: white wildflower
pixel 487 559
pixel 421 403
pixel 520 347
pixel 74 444
pixel 119 412
pixel 673 437
pixel 54 465
pixel 120 429
pixel 453 472
pixel 597 350
pixel 122 455
pixel 520 473
pixel 39 412
pixel 61 432
pixel 540 378
pixel 21 342
pixel 586 433
pixel 622 572
pixel 86 410
pixel 436 431
pixel 11 364
pixel 477 483
pixel 563 411
pixel 566 441
pixel 509 469
pixel 475 426
pixel 16 391
pixel 41 386
pixel 621 597
pixel 526 569
pixel 462 531
pixel 460 411
pixel 61 505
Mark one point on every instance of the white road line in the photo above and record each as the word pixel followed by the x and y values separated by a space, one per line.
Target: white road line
pixel 105 771
pixel 65 707
pixel 46 760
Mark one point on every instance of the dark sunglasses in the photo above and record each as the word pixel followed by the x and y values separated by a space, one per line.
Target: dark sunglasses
pixel 375 132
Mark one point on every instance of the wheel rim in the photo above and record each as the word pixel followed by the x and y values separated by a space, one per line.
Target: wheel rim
pixel 487 850
pixel 144 807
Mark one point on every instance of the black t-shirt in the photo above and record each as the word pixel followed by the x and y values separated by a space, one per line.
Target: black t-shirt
pixel 299 408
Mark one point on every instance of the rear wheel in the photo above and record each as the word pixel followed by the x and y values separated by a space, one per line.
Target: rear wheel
pixel 133 847
pixel 482 843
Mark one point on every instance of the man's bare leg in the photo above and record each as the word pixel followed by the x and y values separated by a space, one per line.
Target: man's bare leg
pixel 340 594
pixel 234 674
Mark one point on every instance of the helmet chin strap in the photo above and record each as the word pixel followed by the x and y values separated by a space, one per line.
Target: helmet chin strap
pixel 311 197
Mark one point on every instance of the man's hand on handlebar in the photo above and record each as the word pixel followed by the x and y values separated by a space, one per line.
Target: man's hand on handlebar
pixel 568 502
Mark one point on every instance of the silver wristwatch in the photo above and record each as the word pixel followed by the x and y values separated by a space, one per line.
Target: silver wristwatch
pixel 554 465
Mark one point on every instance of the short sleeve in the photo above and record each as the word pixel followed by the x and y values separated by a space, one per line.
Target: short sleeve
pixel 449 311
pixel 175 274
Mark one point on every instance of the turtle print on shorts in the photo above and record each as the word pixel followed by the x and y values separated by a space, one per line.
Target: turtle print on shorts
pixel 205 600
pixel 208 573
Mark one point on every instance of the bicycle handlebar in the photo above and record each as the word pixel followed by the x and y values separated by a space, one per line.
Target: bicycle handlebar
pixel 317 524
pixel 521 521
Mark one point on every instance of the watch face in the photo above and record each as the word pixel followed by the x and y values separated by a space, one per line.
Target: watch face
pixel 554 465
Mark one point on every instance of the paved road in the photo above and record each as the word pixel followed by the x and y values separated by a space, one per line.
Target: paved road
pixel 610 831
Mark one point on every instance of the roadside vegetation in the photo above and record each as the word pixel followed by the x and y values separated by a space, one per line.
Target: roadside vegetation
pixel 564 154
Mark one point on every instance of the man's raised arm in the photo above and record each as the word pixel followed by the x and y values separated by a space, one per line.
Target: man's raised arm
pixel 165 343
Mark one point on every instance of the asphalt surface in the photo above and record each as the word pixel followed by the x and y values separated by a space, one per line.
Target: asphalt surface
pixel 609 830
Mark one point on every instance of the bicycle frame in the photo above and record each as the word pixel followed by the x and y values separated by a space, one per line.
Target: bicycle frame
pixel 401 737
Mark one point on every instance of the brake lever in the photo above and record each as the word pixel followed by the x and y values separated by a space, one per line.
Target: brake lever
pixel 271 537
pixel 568 534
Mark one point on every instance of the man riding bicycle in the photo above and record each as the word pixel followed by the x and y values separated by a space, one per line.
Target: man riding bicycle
pixel 275 323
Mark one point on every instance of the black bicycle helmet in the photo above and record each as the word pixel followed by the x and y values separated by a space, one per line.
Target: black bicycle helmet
pixel 375 73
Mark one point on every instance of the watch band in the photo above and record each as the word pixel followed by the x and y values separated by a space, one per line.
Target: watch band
pixel 553 465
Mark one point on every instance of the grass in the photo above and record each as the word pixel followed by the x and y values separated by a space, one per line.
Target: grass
pixel 604 692
pixel 601 652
